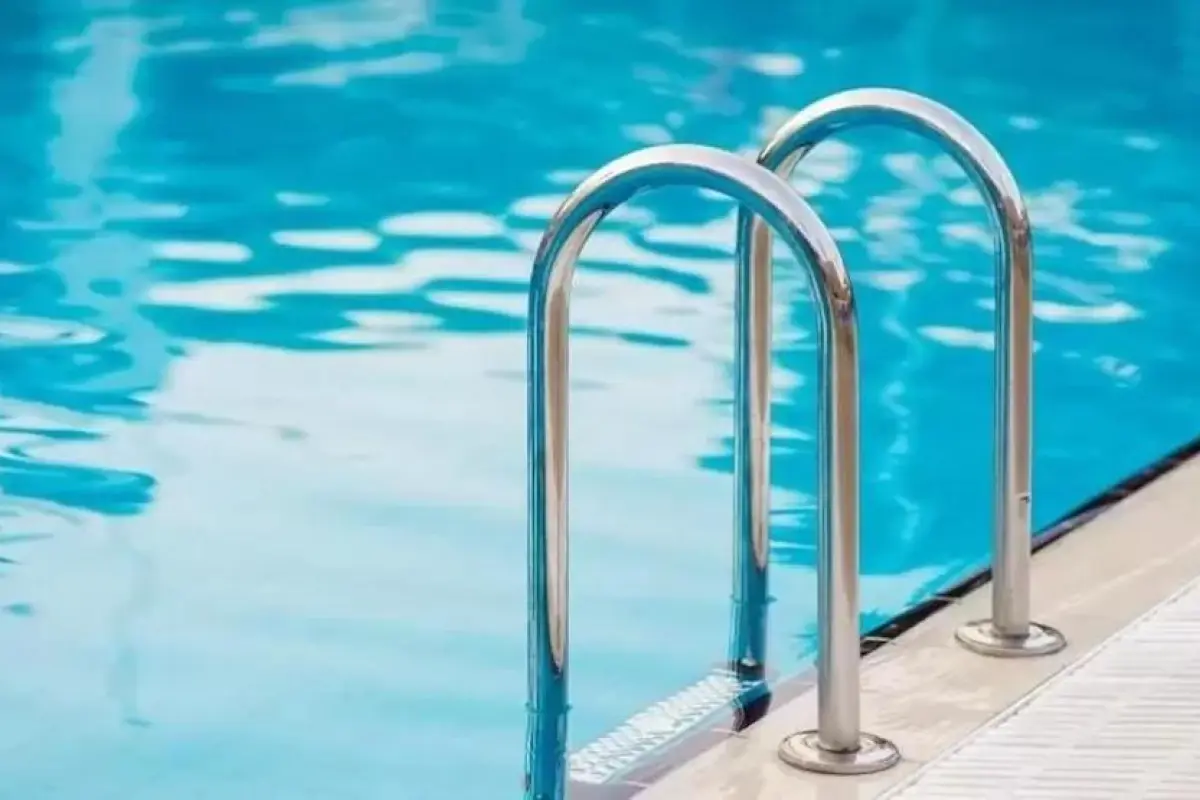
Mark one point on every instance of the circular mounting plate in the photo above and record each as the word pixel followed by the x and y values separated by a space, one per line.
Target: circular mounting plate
pixel 980 636
pixel 874 754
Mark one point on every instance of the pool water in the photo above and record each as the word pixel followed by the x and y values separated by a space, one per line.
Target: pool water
pixel 263 270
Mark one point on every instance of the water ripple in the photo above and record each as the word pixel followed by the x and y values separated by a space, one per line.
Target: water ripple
pixel 265 273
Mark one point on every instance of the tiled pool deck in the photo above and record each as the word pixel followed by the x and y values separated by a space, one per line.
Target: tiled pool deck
pixel 1115 715
pixel 1120 723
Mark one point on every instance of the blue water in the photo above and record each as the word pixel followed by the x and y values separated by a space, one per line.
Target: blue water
pixel 262 354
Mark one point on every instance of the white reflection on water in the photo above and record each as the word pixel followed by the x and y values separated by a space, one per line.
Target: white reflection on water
pixel 335 371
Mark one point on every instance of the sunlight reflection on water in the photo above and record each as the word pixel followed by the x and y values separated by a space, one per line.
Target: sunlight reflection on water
pixel 263 348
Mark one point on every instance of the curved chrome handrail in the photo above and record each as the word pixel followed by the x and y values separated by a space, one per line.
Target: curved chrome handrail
pixel 783 210
pixel 1010 631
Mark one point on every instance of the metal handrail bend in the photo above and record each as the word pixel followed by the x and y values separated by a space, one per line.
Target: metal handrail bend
pixel 1010 631
pixel 771 199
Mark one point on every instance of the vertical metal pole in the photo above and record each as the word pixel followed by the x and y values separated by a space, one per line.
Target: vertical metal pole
pixel 770 198
pixel 752 463
pixel 1010 632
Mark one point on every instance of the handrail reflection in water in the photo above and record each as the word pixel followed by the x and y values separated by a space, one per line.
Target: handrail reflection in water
pixel 1010 632
pixel 838 744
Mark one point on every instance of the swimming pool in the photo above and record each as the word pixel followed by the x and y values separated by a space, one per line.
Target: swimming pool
pixel 263 356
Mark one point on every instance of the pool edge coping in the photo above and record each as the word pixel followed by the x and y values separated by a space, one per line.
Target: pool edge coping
pixel 731 722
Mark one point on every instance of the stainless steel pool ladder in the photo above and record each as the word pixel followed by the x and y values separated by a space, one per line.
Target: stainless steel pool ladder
pixel 837 743
pixel 1010 631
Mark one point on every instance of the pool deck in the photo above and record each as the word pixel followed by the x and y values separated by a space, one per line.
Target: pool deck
pixel 1112 716
pixel 1119 723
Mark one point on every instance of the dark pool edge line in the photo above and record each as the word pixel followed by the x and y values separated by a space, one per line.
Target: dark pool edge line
pixel 733 720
